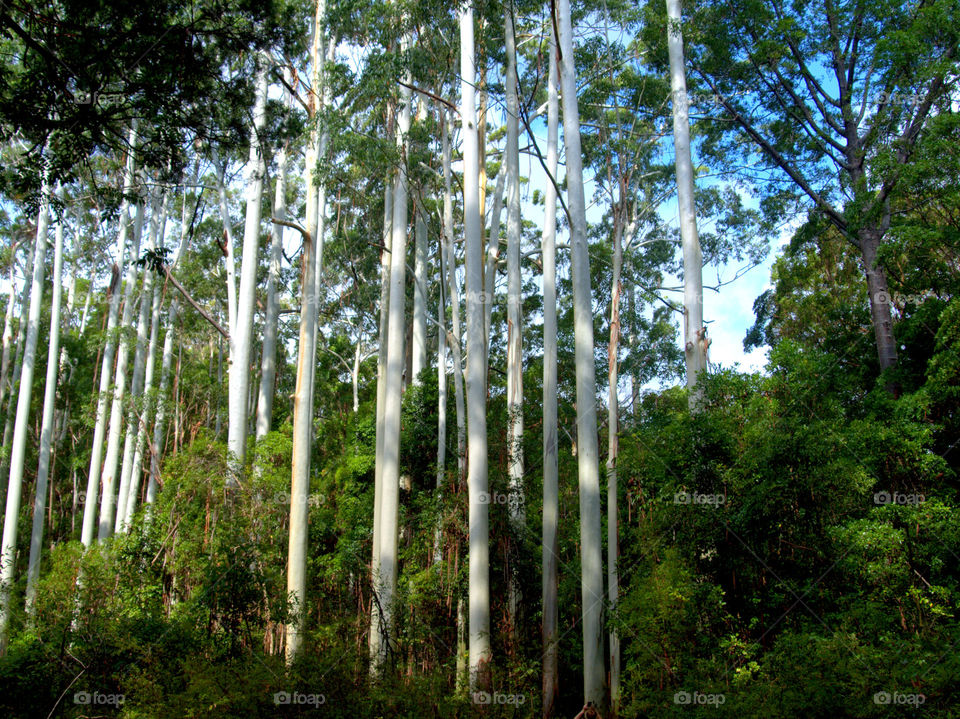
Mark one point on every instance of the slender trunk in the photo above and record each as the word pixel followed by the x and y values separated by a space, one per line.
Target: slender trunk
pixel 879 293
pixel 694 331
pixel 106 366
pixel 454 291
pixel 241 336
pixel 228 245
pixel 588 454
pixel 477 488
pixel 419 293
pixel 17 368
pixel 306 361
pixel 374 634
pixel 551 492
pixel 514 309
pixel 613 430
pixel 386 581
pixel 46 426
pixel 158 222
pixel 8 333
pixel 108 497
pixel 490 268
pixel 268 360
pixel 18 449
pixel 441 411
pixel 159 428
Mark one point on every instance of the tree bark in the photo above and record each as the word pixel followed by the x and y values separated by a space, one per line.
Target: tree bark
pixel 551 492
pixel 694 331
pixel 588 454
pixel 477 488
pixel 46 425
pixel 18 448
pixel 106 363
pixel 241 336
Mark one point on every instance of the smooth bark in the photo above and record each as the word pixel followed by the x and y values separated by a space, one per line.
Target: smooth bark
pixel 588 454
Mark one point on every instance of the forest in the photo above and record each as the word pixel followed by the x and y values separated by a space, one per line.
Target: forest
pixel 372 359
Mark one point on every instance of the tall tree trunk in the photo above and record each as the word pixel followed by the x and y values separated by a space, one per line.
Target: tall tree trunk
pixel 8 550
pixel 514 308
pixel 306 358
pixel 106 366
pixel 879 293
pixel 386 581
pixel 588 454
pixel 613 438
pixel 477 487
pixel 268 360
pixel 441 408
pixel 241 336
pixel 454 293
pixel 374 637
pixel 419 348
pixel 694 331
pixel 551 493
pixel 158 223
pixel 490 268
pixel 108 497
pixel 46 425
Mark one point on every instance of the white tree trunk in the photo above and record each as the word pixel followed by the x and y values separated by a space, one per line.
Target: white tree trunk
pixel 441 410
pixel 490 268
pixel 108 497
pixel 514 305
pixel 588 453
pixel 551 492
pixel 613 430
pixel 158 222
pixel 159 428
pixel 106 366
pixel 306 361
pixel 8 333
pixel 477 488
pixel 46 425
pixel 8 550
pixel 241 336
pixel 385 582
pixel 268 359
pixel 694 332
pixel 374 639
pixel 419 359
pixel 450 264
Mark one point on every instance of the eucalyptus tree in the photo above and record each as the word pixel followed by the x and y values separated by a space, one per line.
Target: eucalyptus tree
pixel 388 561
pixel 110 347
pixel 241 334
pixel 588 451
pixel 832 100
pixel 108 497
pixel 550 547
pixel 514 294
pixel 477 481
pixel 18 448
pixel 694 331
